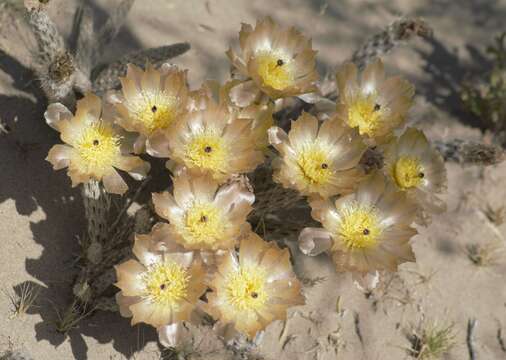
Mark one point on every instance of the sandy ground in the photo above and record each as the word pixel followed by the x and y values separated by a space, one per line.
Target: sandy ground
pixel 40 215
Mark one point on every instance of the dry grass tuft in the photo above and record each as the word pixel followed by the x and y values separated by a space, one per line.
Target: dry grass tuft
pixel 69 319
pixel 23 298
pixel 431 341
pixel 10 355
pixel 484 255
pixel 497 215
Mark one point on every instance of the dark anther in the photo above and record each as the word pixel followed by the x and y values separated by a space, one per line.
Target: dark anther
pixel 96 142
pixel 421 175
pixel 203 218
pixel 325 166
pixel 162 287
pixel 280 62
pixel 254 295
pixel 366 231
pixel 154 108
pixel 377 107
pixel 208 149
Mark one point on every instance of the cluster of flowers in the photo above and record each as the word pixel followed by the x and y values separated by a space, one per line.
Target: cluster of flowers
pixel 206 259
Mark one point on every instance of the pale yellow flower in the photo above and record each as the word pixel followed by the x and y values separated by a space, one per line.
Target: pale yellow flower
pixel 162 287
pixel 259 114
pixel 93 148
pixel 375 104
pixel 365 231
pixel 204 216
pixel 317 159
pixel 150 100
pixel 255 289
pixel 418 169
pixel 278 62
pixel 213 141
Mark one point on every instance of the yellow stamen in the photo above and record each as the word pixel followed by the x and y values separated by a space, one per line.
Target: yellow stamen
pixel 314 164
pixel 166 283
pixel 204 223
pixel 275 70
pixel 207 150
pixel 245 289
pixel 365 114
pixel 360 227
pixel 98 148
pixel 156 110
pixel 407 172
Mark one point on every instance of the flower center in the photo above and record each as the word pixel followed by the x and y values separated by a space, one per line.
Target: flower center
pixel 245 289
pixel 155 110
pixel 166 283
pixel 204 223
pixel 314 164
pixel 365 114
pixel 98 148
pixel 407 172
pixel 275 70
pixel 208 151
pixel 360 226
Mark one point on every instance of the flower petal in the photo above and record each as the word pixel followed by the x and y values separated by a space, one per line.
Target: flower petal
pixel 140 144
pixel 251 250
pixel 303 130
pixel 150 80
pixel 235 199
pixel 347 81
pixel 183 189
pixel 279 139
pixel 77 177
pixel 162 236
pixel 124 303
pixel 237 61
pixel 133 165
pixel 166 206
pixel 129 278
pixel 245 93
pixel 157 145
pixel 114 183
pixel 155 315
pixel 55 114
pixel 373 76
pixel 148 249
pixel 59 156
pixel 89 107
pixel 370 190
pixel 171 335
pixel 314 241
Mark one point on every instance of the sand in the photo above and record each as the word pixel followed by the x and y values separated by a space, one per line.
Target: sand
pixel 41 216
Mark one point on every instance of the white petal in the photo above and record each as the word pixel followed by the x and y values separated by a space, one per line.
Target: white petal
pixel 314 241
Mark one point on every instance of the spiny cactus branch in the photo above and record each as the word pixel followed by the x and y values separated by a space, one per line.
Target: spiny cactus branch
pixel 112 26
pixel 96 207
pixel 65 72
pixel 469 152
pixel 83 38
pixel 89 44
pixel 395 34
pixel 106 77
pixel 49 41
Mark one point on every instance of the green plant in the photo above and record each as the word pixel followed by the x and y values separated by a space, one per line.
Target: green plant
pixel 487 100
